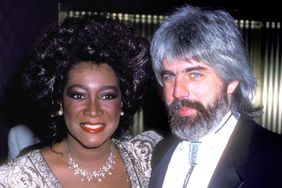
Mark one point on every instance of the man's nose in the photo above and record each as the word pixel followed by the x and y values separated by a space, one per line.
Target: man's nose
pixel 181 89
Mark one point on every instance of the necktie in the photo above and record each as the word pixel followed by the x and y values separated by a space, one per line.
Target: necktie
pixel 193 152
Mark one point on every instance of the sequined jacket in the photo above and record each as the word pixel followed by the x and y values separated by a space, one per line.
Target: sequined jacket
pixel 31 170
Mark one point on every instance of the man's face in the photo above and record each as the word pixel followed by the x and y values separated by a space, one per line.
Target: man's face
pixel 196 97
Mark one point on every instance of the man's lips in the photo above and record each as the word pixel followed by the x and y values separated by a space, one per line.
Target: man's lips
pixel 92 127
pixel 186 111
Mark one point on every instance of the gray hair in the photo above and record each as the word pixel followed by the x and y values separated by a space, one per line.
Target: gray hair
pixel 211 36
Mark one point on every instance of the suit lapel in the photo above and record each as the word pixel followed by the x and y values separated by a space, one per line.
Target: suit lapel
pixel 161 157
pixel 228 172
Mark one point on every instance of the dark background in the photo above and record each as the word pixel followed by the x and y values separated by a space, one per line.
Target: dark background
pixel 241 9
pixel 21 25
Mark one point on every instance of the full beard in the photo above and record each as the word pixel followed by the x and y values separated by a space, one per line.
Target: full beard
pixel 194 127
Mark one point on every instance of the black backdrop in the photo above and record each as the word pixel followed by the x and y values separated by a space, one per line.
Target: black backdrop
pixel 21 25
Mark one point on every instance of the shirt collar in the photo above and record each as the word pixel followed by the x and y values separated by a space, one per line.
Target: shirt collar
pixel 222 132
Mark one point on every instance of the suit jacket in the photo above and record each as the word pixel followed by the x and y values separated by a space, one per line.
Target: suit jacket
pixel 251 159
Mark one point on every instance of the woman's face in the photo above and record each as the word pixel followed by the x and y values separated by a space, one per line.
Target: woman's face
pixel 92 103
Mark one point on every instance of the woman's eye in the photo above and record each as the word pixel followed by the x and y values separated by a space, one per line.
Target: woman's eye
pixel 77 96
pixel 108 96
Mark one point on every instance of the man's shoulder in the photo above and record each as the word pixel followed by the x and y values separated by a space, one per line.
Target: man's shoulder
pixel 167 142
pixel 260 141
pixel 166 145
pixel 263 133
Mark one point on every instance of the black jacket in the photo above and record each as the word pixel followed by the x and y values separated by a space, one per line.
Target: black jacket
pixel 251 159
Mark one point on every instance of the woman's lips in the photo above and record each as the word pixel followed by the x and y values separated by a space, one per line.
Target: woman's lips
pixel 92 127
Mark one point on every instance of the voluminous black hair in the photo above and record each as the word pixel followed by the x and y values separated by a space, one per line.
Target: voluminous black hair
pixel 95 39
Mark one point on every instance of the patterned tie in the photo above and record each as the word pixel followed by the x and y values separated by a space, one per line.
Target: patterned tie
pixel 193 152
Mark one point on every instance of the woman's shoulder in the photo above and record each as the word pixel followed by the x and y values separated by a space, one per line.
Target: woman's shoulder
pixel 136 152
pixel 28 170
pixel 149 136
pixel 16 170
pixel 142 143
pixel 146 137
pixel 20 161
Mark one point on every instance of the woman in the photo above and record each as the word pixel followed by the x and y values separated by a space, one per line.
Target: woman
pixel 91 74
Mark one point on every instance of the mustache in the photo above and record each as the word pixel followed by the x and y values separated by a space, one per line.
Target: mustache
pixel 178 103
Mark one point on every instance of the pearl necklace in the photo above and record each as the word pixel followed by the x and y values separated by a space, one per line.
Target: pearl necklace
pixel 95 174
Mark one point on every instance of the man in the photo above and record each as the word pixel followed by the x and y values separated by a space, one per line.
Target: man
pixel 200 61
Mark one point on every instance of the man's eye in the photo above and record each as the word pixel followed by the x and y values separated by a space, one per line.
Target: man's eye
pixel 168 77
pixel 195 75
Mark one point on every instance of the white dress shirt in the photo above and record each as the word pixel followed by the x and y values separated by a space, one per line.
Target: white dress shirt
pixel 208 156
pixel 19 138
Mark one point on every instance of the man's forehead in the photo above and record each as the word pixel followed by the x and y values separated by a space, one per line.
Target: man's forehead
pixel 185 62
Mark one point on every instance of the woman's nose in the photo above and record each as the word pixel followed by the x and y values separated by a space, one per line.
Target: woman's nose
pixel 93 108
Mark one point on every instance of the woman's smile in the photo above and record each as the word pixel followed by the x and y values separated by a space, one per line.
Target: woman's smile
pixel 92 127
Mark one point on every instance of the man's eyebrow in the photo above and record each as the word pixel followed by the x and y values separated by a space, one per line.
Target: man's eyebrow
pixel 164 72
pixel 189 69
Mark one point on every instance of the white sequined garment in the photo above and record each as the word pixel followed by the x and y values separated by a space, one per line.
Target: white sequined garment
pixel 31 170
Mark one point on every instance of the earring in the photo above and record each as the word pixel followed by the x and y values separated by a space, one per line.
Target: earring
pixel 121 113
pixel 60 112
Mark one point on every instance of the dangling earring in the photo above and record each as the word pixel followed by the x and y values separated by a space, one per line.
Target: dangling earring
pixel 121 113
pixel 60 112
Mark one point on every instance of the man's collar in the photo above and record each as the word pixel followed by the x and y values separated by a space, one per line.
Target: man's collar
pixel 222 131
